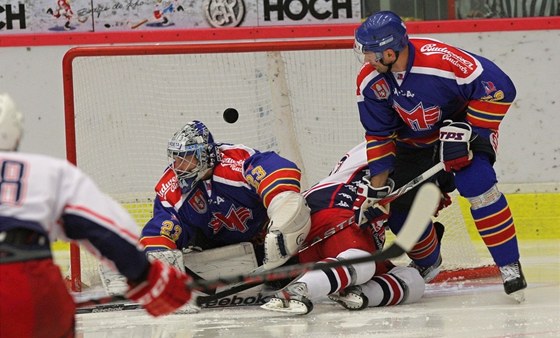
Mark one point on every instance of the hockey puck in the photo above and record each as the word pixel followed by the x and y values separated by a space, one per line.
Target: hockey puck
pixel 231 115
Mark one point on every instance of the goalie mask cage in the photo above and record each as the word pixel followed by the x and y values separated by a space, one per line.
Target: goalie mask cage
pixel 122 104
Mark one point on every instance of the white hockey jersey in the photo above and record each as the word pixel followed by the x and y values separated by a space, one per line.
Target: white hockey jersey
pixel 53 197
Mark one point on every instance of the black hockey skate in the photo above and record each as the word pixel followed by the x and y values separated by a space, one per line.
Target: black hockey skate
pixel 514 280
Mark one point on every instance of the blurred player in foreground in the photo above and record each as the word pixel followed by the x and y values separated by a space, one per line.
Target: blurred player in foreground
pixel 335 204
pixel 213 195
pixel 418 97
pixel 43 199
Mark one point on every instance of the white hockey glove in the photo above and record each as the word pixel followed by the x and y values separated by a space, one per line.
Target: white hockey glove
pixel 455 138
pixel 290 222
pixel 366 206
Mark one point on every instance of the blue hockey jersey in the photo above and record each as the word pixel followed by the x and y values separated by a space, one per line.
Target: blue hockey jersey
pixel 441 82
pixel 226 209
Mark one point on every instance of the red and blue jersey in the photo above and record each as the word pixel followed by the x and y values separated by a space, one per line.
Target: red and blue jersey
pixel 226 209
pixel 441 82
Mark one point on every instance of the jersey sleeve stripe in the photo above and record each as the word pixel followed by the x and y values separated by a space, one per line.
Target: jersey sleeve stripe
pixel 152 242
pixel 286 175
pixel 101 220
pixel 421 141
pixel 378 148
pixel 273 190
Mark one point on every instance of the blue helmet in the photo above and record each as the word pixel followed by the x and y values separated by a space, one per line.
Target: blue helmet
pixel 381 31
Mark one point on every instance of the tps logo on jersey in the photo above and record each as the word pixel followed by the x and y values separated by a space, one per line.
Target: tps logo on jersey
pixel 419 118
pixel 380 89
pixel 235 220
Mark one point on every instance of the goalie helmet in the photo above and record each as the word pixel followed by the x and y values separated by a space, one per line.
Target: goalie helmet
pixel 382 30
pixel 11 127
pixel 192 153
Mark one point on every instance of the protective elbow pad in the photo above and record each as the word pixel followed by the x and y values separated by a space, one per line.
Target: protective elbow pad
pixel 290 222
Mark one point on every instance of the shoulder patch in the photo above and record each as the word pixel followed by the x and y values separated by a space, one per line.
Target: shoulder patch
pixel 440 56
pixel 167 189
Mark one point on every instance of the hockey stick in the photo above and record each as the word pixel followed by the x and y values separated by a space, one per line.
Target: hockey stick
pixel 239 287
pixel 423 207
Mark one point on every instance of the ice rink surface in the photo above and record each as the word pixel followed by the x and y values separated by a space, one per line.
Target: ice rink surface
pixel 474 308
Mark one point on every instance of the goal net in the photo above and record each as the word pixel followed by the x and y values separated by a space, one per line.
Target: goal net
pixel 294 97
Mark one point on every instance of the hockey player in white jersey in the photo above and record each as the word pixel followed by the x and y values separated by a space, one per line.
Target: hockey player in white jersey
pixel 43 199
pixel 335 204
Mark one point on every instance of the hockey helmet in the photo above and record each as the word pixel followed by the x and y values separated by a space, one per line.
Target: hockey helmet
pixel 192 143
pixel 379 32
pixel 11 121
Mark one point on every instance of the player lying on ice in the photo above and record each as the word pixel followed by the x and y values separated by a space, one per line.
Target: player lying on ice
pixel 335 204
pixel 418 97
pixel 44 199
pixel 213 195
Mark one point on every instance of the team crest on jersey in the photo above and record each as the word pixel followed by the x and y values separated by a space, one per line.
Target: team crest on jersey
pixel 380 89
pixel 489 87
pixel 419 118
pixel 235 220
pixel 198 202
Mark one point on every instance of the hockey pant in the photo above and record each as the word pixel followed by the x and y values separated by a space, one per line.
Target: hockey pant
pixel 35 301
pixel 409 164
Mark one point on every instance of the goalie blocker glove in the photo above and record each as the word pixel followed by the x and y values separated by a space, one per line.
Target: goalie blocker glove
pixel 455 138
pixel 366 205
pixel 163 291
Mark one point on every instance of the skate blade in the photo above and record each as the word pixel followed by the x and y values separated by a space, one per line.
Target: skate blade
pixel 295 307
pixel 519 296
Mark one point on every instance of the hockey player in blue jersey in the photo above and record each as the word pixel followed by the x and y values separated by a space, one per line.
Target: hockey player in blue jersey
pixel 421 101
pixel 216 194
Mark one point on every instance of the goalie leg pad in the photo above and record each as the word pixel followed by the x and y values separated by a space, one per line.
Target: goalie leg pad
pixel 290 222
pixel 171 257
pixel 224 261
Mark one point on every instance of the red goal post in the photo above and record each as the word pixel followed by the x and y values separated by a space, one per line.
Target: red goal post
pixel 122 103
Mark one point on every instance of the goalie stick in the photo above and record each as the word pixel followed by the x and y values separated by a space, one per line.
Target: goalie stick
pixel 423 207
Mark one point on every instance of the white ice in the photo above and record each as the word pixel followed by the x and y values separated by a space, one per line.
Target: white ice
pixel 477 308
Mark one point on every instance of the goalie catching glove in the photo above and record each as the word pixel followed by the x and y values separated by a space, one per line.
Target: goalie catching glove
pixel 366 206
pixel 163 291
pixel 455 138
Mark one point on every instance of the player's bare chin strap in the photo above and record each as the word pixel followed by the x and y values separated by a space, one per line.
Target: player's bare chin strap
pixel 390 65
